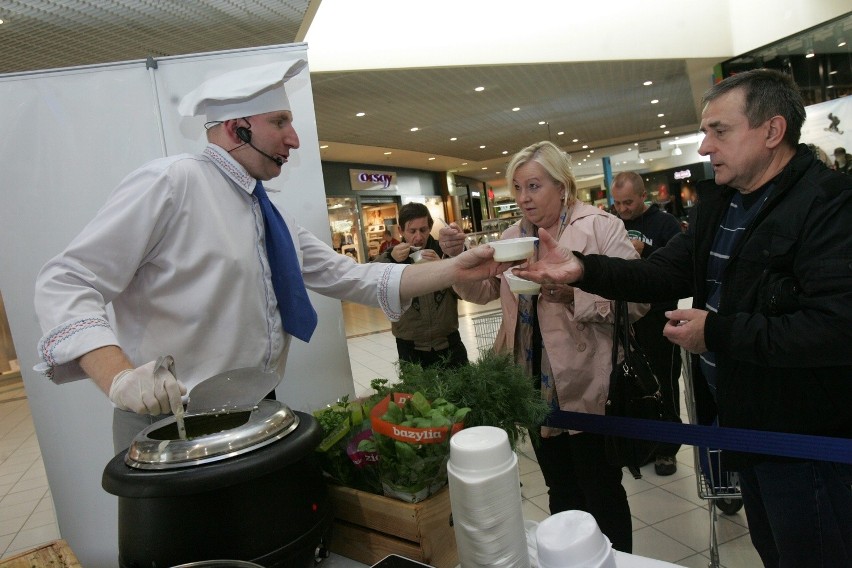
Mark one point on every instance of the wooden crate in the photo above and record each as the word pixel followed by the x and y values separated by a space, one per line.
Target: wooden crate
pixel 56 554
pixel 368 527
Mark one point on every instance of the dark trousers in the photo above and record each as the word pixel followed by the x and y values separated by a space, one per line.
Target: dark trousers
pixel 799 514
pixel 579 477
pixel 454 356
pixel 664 358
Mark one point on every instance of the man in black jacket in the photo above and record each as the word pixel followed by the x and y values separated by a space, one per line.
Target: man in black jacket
pixel 649 229
pixel 768 262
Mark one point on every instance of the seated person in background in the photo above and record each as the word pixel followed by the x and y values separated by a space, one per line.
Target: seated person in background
pixel 387 242
pixel 428 333
pixel 337 240
pixel 842 161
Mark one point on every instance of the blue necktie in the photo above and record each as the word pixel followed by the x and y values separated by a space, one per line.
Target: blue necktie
pixel 297 313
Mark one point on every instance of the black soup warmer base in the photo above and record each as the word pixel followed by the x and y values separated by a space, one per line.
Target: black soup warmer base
pixel 268 505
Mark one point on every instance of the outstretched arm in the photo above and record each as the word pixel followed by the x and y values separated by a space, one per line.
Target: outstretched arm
pixel 556 264
pixel 470 266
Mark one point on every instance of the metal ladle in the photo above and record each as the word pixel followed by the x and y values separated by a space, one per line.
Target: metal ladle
pixel 167 362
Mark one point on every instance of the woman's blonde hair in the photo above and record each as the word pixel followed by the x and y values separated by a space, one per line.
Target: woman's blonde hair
pixel 555 161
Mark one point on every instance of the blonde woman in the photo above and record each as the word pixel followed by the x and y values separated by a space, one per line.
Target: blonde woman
pixel 562 336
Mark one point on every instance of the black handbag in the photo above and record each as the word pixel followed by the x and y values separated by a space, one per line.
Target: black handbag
pixel 634 392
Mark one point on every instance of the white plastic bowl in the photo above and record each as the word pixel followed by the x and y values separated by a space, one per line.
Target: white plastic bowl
pixel 507 250
pixel 572 539
pixel 416 256
pixel 520 285
pixel 480 449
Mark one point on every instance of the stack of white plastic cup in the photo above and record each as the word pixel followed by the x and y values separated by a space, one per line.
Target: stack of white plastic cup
pixel 485 495
pixel 572 539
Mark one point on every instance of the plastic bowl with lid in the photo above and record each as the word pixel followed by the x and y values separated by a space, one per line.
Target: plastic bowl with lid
pixel 507 250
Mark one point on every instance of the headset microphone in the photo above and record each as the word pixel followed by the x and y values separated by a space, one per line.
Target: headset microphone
pixel 244 134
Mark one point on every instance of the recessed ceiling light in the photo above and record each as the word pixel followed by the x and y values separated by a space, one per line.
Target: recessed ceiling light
pixel 647 83
pixel 516 109
pixel 482 147
pixel 464 163
pixel 655 101
pixel 661 115
pixel 498 173
pixel 485 167
pixel 665 132
pixel 324 146
pixel 636 143
pixel 453 139
pixel 1 21
pixel 591 151
pixel 360 113
pixel 388 153
pixel 662 126
pixel 542 122
pixel 833 72
pixel 505 152
pixel 432 158
pixel 585 146
pixel 415 129
pixel 478 89
pixel 560 133
pixel 575 140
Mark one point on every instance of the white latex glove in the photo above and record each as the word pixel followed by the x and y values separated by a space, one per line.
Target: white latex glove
pixel 144 391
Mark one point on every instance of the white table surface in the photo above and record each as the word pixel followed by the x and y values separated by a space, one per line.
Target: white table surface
pixel 622 560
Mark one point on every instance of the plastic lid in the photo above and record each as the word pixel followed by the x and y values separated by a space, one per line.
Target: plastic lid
pixel 480 449
pixel 572 539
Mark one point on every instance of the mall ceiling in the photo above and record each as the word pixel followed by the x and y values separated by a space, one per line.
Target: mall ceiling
pixel 600 104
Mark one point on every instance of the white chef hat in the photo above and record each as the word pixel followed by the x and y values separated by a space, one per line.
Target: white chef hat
pixel 244 92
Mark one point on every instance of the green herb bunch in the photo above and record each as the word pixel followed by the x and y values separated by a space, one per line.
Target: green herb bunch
pixel 340 422
pixel 495 388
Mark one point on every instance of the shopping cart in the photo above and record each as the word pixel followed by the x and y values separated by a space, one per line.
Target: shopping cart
pixel 485 328
pixel 717 485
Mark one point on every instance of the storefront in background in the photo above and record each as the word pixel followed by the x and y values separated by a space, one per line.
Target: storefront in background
pixel 674 189
pixel 363 202
pixel 474 202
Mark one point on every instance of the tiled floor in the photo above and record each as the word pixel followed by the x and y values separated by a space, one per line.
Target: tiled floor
pixel 670 521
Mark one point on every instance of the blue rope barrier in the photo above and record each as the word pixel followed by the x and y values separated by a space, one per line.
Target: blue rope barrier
pixel 803 446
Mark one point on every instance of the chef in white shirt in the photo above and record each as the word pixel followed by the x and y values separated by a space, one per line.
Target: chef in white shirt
pixel 179 251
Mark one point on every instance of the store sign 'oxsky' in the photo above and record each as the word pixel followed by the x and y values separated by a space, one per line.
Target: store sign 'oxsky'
pixel 369 180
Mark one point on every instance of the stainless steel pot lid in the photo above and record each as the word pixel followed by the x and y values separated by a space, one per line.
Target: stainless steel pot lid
pixel 211 436
pixel 220 564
